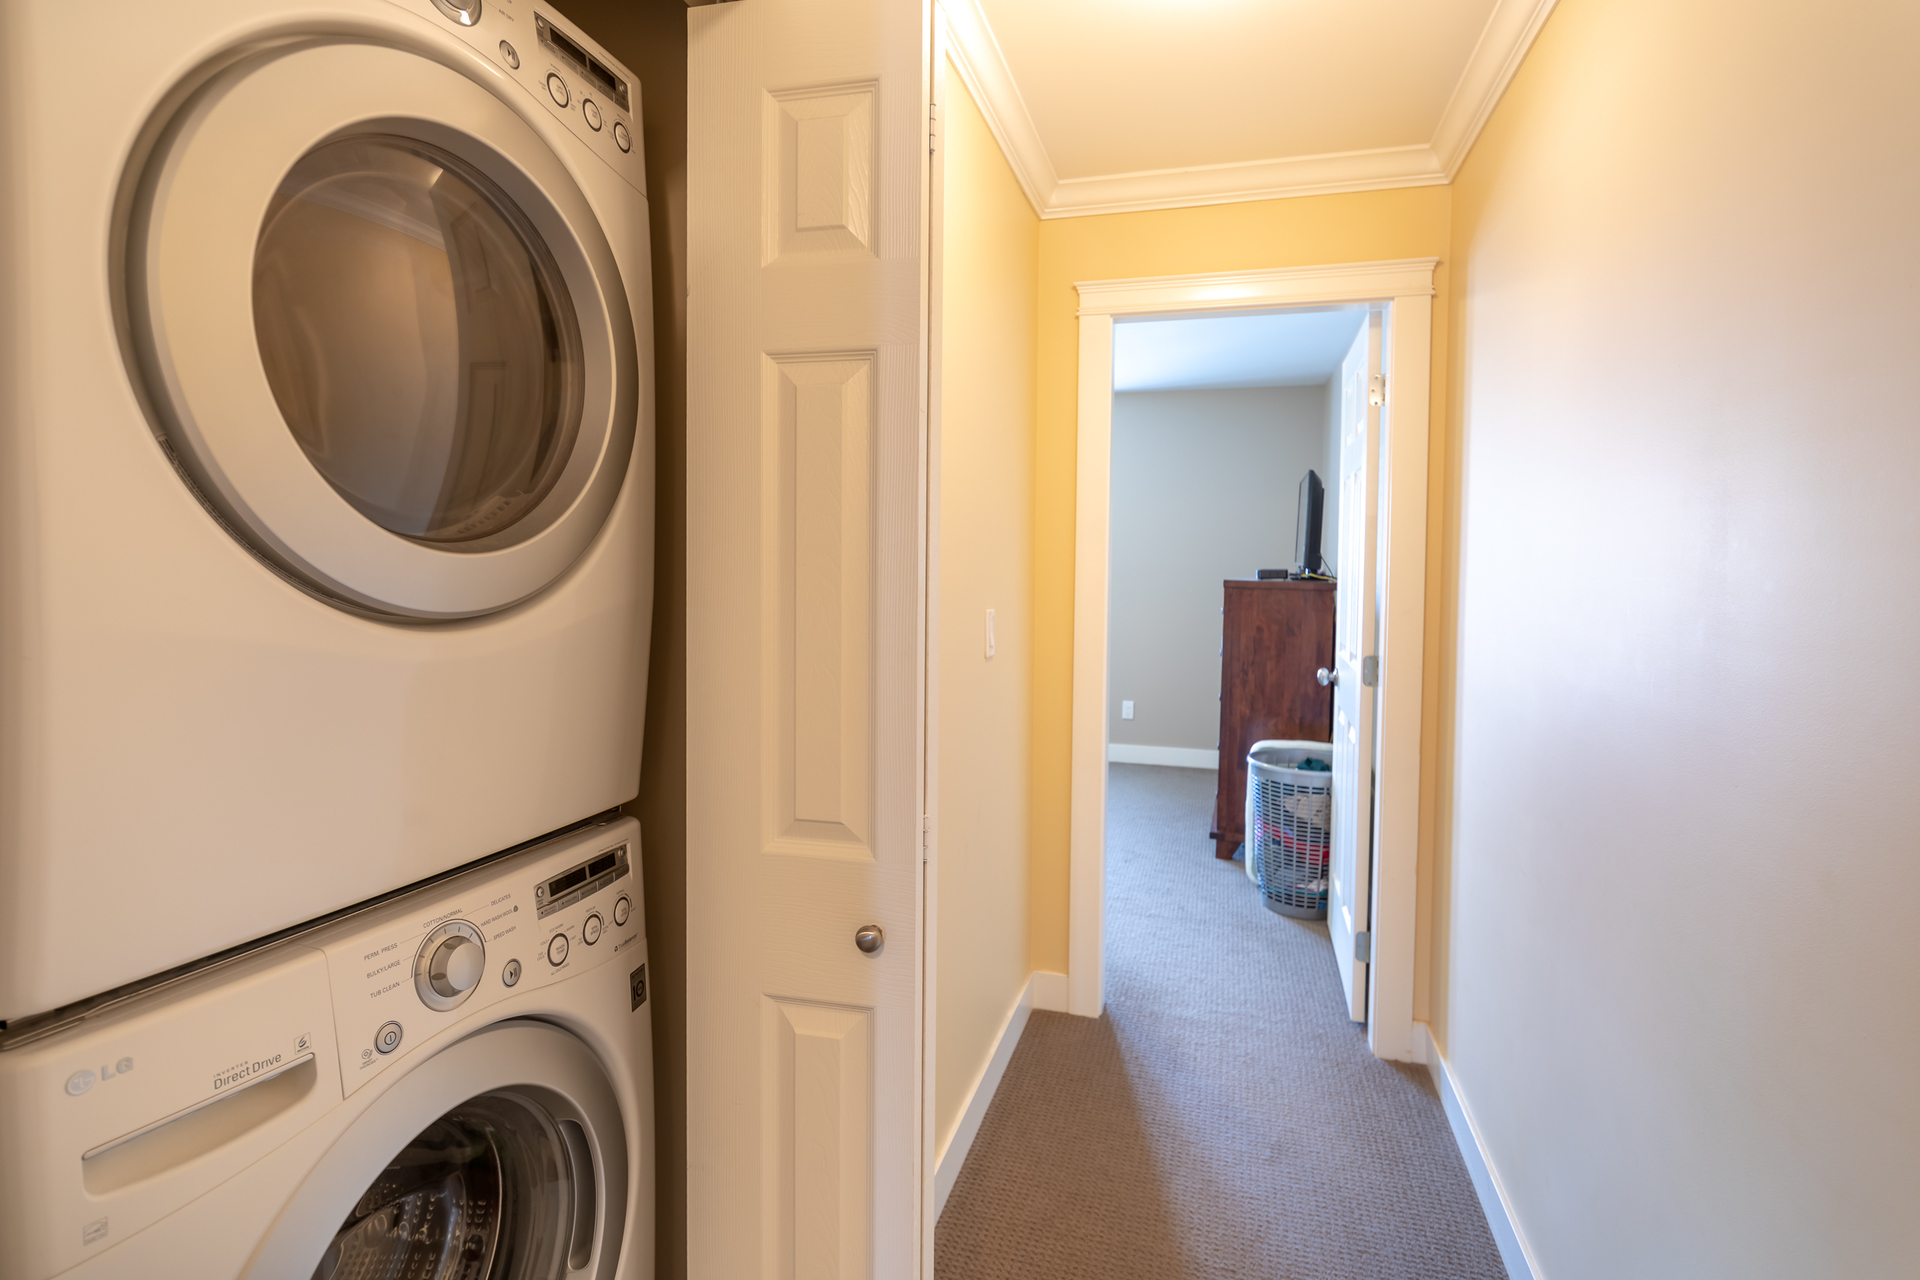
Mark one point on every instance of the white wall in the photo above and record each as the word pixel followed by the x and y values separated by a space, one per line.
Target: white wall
pixel 1205 487
pixel 1677 969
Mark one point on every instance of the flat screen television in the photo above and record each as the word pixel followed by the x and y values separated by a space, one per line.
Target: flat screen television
pixel 1306 533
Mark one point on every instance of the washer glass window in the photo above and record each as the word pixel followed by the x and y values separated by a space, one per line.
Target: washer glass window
pixel 482 1193
pixel 418 338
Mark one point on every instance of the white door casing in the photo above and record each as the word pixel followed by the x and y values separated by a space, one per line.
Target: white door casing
pixel 807 212
pixel 1401 293
pixel 1350 867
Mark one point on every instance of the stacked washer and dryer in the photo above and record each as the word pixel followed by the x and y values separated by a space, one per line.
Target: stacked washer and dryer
pixel 326 500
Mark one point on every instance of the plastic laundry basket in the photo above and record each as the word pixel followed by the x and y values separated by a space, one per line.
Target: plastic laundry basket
pixel 1289 825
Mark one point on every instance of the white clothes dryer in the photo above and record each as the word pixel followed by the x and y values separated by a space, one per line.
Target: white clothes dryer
pixel 453 1084
pixel 326 484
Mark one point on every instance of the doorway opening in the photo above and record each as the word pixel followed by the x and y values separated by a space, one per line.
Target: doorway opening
pixel 1194 455
pixel 1224 569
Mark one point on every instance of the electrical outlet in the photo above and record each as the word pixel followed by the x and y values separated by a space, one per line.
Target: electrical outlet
pixel 989 633
pixel 1126 709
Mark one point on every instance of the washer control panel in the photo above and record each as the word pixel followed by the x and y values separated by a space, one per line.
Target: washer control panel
pixel 432 958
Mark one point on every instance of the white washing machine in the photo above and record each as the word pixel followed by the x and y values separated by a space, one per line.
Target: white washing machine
pixel 453 1084
pixel 326 486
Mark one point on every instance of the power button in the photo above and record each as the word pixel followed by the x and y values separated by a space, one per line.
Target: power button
pixel 387 1038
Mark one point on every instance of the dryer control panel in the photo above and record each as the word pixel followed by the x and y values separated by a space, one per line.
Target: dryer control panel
pixel 571 76
pixel 480 939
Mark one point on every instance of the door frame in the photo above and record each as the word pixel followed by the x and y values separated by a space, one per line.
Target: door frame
pixel 927 895
pixel 1403 290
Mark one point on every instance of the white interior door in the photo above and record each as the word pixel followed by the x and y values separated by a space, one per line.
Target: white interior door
pixel 807 210
pixel 1355 625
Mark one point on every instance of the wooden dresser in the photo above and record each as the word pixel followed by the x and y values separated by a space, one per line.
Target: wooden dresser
pixel 1274 636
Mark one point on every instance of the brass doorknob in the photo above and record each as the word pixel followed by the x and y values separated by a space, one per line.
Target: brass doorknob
pixel 870 938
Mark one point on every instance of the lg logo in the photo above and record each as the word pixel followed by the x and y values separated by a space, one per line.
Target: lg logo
pixel 81 1081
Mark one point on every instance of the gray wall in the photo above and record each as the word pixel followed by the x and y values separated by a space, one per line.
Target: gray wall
pixel 1204 489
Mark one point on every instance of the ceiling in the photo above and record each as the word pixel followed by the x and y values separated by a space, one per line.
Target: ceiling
pixel 1107 105
pixel 1287 349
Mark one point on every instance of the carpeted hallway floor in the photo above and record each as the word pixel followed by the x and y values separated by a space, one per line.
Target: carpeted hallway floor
pixel 1224 1118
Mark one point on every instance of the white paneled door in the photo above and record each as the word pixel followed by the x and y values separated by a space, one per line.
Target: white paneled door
pixel 806 461
pixel 1355 630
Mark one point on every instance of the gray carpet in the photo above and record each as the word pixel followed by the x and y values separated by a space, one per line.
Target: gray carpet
pixel 1224 1118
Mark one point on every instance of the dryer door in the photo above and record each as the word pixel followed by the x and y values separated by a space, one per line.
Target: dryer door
pixel 500 1158
pixel 381 329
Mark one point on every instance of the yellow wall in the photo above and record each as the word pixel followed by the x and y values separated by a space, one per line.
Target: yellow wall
pixel 1676 976
pixel 1360 227
pixel 986 468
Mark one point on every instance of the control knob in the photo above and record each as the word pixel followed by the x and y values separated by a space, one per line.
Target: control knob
pixel 455 966
pixel 464 12
pixel 448 965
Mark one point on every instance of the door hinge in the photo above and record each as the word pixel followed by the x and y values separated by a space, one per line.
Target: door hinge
pixel 926 834
pixel 933 127
pixel 1370 670
pixel 1363 946
pixel 1377 390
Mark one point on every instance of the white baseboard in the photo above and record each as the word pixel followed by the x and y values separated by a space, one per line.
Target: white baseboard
pixel 1422 1054
pixel 1176 757
pixel 1043 991
pixel 1486 1182
pixel 1049 991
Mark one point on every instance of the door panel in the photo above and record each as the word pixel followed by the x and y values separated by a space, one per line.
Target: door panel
pixel 1354 630
pixel 818 1109
pixel 818 562
pixel 818 149
pixel 807 208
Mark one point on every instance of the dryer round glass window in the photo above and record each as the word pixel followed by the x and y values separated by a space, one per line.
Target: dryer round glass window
pixel 382 330
pixel 483 1193
pixel 418 338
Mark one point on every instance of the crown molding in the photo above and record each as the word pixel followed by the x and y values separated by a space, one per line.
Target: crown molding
pixel 1502 46
pixel 1270 287
pixel 1253 180
pixel 976 54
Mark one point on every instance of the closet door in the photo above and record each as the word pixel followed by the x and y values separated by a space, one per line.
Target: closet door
pixel 807 209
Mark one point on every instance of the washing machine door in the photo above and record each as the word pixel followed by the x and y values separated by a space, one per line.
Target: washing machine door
pixel 500 1158
pixel 380 327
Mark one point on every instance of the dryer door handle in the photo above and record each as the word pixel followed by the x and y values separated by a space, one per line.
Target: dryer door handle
pixel 586 1195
